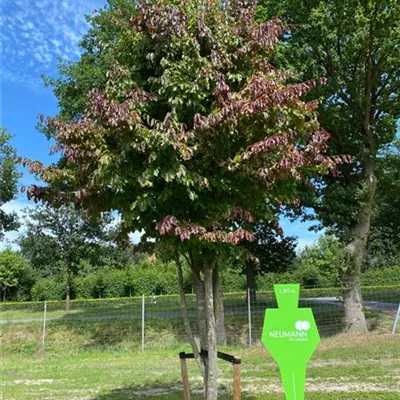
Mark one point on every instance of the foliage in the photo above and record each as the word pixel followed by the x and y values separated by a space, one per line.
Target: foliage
pixel 382 276
pixel 88 287
pixel 351 43
pixel 151 277
pixel 14 275
pixel 266 282
pixel 354 44
pixel 48 289
pixel 64 240
pixel 270 252
pixel 321 263
pixel 155 279
pixel 275 253
pixel 233 280
pixel 114 285
pixel 384 241
pixel 193 136
pixel 8 182
pixel 161 145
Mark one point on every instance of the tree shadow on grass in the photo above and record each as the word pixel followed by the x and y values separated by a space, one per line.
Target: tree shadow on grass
pixel 162 392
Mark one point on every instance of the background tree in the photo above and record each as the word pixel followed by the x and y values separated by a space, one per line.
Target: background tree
pixel 384 241
pixel 8 182
pixel 59 242
pixel 270 253
pixel 14 274
pixel 193 136
pixel 320 263
pixel 355 45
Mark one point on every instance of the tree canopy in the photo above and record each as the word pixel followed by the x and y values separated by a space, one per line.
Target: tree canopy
pixel 14 274
pixel 192 155
pixel 8 182
pixel 355 45
pixel 61 242
pixel 191 134
pixel 384 241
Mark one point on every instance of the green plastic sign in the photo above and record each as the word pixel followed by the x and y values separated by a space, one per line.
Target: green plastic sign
pixel 291 337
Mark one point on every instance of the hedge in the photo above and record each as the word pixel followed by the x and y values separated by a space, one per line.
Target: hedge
pixel 160 279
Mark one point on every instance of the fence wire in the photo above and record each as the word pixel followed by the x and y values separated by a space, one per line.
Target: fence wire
pixel 155 322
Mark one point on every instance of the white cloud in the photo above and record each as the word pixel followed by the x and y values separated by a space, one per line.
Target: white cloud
pixel 35 33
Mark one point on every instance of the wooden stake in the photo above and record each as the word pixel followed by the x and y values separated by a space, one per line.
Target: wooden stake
pixel 236 380
pixel 185 379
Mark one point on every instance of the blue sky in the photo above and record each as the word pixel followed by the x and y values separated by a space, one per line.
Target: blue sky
pixel 34 35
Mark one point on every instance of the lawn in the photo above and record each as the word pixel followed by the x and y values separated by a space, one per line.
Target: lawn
pixel 344 368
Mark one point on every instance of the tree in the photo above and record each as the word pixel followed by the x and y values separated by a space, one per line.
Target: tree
pixel 193 136
pixel 270 253
pixel 384 241
pixel 355 45
pixel 58 241
pixel 320 263
pixel 8 182
pixel 13 270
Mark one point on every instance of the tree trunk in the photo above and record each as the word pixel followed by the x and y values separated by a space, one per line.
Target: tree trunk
pixel 185 316
pixel 4 293
pixel 68 293
pixel 354 314
pixel 201 311
pixel 219 309
pixel 251 282
pixel 211 392
pixel 68 298
pixel 203 282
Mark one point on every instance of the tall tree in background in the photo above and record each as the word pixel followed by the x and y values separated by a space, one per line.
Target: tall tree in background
pixel 270 253
pixel 355 44
pixel 384 241
pixel 192 136
pixel 58 240
pixel 8 182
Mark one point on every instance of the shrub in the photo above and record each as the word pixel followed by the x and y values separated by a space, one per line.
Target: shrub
pixel 265 282
pixel 84 287
pixel 233 280
pixel 308 275
pixel 153 278
pixel 381 277
pixel 48 289
pixel 320 263
pixel 114 284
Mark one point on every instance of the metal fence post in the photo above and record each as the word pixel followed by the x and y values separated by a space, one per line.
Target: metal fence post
pixel 249 314
pixel 44 325
pixel 143 309
pixel 396 320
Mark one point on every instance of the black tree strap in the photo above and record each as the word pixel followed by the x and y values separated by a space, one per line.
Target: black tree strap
pixel 204 354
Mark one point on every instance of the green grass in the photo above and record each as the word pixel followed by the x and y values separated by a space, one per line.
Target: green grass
pixel 344 368
pixel 99 359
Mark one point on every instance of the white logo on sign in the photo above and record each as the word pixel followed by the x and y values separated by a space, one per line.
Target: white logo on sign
pixel 302 325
